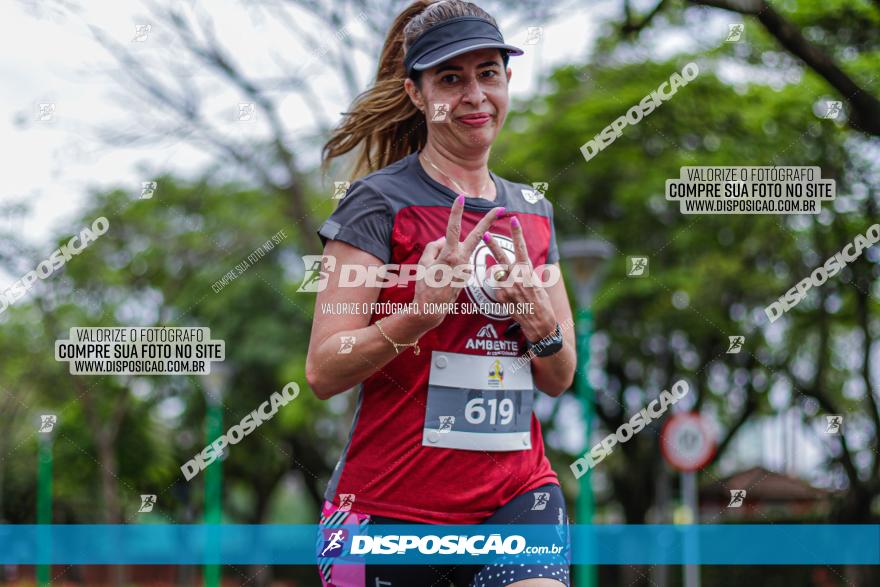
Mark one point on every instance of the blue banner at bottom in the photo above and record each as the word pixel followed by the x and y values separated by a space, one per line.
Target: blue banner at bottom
pixel 421 544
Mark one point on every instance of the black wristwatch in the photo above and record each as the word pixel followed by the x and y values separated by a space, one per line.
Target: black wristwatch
pixel 549 345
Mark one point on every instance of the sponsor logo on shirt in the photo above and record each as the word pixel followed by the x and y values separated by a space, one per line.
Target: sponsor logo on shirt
pixel 487 331
pixel 487 340
pixel 478 290
pixel 496 374
pixel 534 195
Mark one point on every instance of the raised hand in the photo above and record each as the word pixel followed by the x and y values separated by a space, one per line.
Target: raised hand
pixel 516 283
pixel 447 262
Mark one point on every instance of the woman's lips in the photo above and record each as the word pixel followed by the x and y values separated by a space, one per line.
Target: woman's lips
pixel 475 120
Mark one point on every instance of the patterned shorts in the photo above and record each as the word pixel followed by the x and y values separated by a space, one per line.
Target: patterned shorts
pixel 519 510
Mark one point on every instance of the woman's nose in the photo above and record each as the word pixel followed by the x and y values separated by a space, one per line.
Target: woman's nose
pixel 473 92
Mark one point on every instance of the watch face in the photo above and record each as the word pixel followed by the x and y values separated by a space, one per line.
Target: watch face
pixel 549 344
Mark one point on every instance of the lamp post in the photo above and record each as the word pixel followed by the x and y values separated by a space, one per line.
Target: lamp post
pixel 584 259
pixel 214 386
pixel 45 431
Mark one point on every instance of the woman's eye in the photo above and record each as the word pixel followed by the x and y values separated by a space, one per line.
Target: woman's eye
pixel 449 79
pixel 489 73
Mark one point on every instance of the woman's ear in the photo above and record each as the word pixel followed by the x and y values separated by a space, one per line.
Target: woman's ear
pixel 509 73
pixel 414 94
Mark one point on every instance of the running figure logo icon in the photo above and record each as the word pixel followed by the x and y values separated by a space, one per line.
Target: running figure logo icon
pixel 346 500
pixel 737 497
pixel 534 34
pixel 340 188
pixel 147 503
pixel 637 266
pixel 446 423
pixel 496 374
pixel 734 32
pixel 441 112
pixel 736 343
pixel 247 111
pixel 317 268
pixel 542 498
pixel 148 188
pixel 140 32
pixel 833 424
pixel 833 109
pixel 47 423
pixel 346 344
pixel 334 541
pixel 45 111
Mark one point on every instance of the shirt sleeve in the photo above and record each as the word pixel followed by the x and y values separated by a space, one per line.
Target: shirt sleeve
pixel 363 220
pixel 552 250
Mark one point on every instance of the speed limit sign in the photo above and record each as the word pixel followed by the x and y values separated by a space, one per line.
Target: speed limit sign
pixel 686 442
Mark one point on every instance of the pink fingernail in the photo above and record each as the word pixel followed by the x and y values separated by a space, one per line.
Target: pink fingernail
pixel 500 212
pixel 487 236
pixel 514 222
pixel 460 199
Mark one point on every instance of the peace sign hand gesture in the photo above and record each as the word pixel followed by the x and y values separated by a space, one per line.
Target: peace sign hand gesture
pixel 449 256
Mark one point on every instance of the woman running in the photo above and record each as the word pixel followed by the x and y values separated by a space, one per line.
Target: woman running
pixel 443 431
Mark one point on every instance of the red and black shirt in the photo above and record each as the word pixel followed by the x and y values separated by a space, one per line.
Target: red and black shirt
pixel 395 464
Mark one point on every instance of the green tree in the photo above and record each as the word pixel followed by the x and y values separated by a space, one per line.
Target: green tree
pixel 710 276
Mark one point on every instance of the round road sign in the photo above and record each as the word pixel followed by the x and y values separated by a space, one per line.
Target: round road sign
pixel 686 442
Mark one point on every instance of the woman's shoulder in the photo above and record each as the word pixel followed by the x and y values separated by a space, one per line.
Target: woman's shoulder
pixel 389 176
pixel 397 185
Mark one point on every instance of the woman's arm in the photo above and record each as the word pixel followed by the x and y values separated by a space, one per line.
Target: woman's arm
pixel 328 372
pixel 554 374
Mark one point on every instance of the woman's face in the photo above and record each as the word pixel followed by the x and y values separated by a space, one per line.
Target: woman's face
pixel 464 99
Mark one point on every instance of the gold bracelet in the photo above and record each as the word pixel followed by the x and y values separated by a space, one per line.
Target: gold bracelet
pixel 397 344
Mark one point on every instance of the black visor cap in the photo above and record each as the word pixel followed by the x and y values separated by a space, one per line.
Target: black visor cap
pixel 454 37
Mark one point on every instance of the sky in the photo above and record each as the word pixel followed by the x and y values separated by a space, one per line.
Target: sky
pixel 58 61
